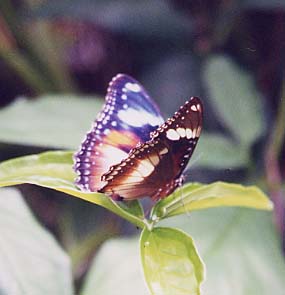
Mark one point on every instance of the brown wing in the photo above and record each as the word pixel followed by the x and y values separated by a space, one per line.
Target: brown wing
pixel 154 168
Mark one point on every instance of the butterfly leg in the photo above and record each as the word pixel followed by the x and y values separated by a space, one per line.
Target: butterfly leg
pixel 113 195
pixel 179 181
pixel 116 197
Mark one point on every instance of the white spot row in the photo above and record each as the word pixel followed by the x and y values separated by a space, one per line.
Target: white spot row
pixel 176 134
pixel 195 107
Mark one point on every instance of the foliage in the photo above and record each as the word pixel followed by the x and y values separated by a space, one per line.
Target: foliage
pixel 29 254
pixel 228 53
pixel 170 260
pixel 225 238
pixel 45 114
pixel 54 170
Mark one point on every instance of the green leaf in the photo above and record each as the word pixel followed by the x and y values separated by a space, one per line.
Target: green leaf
pixel 54 170
pixel 235 98
pixel 48 121
pixel 31 261
pixel 116 267
pixel 218 152
pixel 197 196
pixel 171 262
pixel 240 248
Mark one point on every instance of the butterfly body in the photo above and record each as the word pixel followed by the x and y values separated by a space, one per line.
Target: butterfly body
pixel 149 159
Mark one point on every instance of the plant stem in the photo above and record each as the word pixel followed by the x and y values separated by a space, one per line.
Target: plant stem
pixel 273 174
pixel 27 72
pixel 39 62
pixel 279 130
pixel 45 43
pixel 27 60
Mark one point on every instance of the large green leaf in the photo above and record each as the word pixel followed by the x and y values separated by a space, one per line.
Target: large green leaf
pixel 170 262
pixel 31 262
pixel 54 170
pixel 240 249
pixel 117 265
pixel 218 152
pixel 116 270
pixel 196 196
pixel 235 98
pixel 48 121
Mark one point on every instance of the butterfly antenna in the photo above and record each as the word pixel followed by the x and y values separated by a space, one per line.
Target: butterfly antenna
pixel 182 196
pixel 196 158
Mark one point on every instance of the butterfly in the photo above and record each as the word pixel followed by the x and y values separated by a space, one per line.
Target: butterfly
pixel 131 152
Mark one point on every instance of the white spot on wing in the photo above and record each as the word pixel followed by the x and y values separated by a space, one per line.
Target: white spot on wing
pixel 145 168
pixel 138 118
pixel 163 151
pixel 154 159
pixel 106 131
pixel 199 129
pixel 110 156
pixel 194 133
pixel 181 132
pixel 172 134
pixel 134 174
pixel 188 133
pixel 133 87
pixel 194 108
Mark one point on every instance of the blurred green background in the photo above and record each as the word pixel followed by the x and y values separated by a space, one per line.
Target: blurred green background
pixel 56 60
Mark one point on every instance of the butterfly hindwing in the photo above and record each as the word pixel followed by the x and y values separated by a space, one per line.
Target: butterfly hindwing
pixel 154 168
pixel 127 118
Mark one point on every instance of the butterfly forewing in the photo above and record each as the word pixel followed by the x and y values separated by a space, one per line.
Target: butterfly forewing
pixel 127 118
pixel 154 168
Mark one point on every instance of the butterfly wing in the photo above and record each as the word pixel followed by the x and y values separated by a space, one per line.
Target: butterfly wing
pixel 154 168
pixel 127 118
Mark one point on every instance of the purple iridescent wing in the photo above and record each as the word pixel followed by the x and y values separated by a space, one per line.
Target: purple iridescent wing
pixel 126 119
